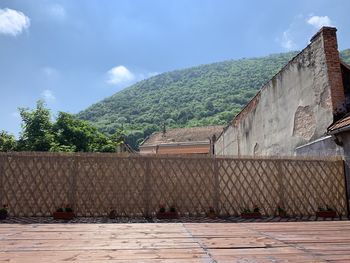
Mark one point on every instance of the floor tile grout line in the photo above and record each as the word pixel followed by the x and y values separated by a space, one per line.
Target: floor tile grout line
pixel 287 244
pixel 196 240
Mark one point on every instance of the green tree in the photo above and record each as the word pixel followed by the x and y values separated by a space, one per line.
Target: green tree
pixel 37 134
pixel 66 134
pixel 7 142
pixel 80 136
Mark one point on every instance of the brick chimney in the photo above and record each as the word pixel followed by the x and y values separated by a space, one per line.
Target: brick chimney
pixel 335 79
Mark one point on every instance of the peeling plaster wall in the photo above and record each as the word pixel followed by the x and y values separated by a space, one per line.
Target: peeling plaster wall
pixel 292 109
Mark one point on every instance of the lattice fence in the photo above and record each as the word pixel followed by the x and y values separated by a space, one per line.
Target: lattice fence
pixel 35 184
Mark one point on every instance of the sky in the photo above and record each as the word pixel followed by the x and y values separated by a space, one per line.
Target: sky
pixel 74 53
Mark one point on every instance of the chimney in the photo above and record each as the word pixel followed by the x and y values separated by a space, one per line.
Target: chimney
pixel 335 80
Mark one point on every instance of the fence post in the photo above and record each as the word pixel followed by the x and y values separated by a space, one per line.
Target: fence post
pixel 73 186
pixel 146 189
pixel 346 169
pixel 3 159
pixel 280 184
pixel 216 186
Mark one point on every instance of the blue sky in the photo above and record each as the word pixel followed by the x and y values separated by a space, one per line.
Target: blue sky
pixel 75 53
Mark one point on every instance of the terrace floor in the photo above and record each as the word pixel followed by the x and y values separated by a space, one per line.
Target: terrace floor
pixel 327 241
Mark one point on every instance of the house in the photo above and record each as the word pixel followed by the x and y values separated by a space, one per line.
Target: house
pixel 340 132
pixel 196 140
pixel 292 112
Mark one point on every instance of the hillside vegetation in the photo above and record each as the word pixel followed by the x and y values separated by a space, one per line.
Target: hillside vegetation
pixel 203 95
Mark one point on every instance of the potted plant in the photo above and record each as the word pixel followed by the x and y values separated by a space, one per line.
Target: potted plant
pixel 211 213
pixel 250 214
pixel 281 212
pixel 3 212
pixel 112 214
pixel 163 214
pixel 65 213
pixel 326 212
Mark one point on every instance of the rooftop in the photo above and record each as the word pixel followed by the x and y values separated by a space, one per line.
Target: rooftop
pixel 195 134
pixel 339 125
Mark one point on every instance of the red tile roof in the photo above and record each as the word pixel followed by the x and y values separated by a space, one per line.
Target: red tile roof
pixel 194 134
pixel 340 124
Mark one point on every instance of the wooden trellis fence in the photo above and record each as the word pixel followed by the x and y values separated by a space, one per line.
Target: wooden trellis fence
pixel 35 184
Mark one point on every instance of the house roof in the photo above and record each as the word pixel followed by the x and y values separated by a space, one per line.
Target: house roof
pixel 195 134
pixel 340 125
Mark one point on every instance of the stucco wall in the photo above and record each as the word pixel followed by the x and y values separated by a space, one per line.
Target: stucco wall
pixel 324 146
pixel 292 109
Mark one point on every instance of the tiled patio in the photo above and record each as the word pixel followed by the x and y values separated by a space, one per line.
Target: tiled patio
pixel 327 241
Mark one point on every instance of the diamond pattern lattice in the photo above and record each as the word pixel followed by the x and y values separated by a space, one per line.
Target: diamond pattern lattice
pixel 245 183
pixel 35 184
pixel 188 183
pixel 309 184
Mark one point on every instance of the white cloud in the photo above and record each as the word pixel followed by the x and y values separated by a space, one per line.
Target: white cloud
pixel 119 75
pixel 319 21
pixel 57 11
pixel 13 22
pixel 49 71
pixel 287 41
pixel 297 35
pixel 291 36
pixel 48 95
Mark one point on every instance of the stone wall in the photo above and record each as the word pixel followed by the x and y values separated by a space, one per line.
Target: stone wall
pixel 294 108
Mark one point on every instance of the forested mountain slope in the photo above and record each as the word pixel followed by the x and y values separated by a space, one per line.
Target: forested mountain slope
pixel 202 95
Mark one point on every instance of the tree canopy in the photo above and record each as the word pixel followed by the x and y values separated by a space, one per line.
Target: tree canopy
pixel 7 142
pixel 66 134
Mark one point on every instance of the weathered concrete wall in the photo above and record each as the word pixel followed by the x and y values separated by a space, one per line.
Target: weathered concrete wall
pixel 295 107
pixel 324 146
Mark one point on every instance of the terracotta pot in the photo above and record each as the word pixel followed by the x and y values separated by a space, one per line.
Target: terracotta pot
pixel 3 216
pixel 167 215
pixel 63 215
pixel 251 215
pixel 211 215
pixel 112 214
pixel 326 214
pixel 282 214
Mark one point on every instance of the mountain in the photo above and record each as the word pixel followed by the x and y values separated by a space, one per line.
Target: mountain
pixel 345 55
pixel 202 95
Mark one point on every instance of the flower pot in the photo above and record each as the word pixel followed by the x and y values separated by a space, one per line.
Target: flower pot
pixel 282 214
pixel 211 215
pixel 63 215
pixel 3 216
pixel 326 214
pixel 251 215
pixel 112 214
pixel 167 215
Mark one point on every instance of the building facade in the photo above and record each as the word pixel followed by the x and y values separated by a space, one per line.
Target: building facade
pixel 294 109
pixel 196 140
